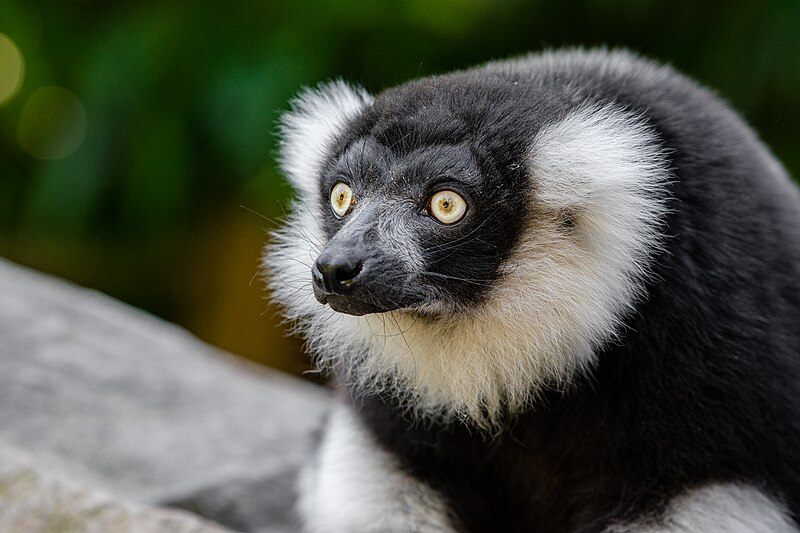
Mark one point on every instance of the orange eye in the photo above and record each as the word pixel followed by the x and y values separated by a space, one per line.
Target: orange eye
pixel 447 207
pixel 342 199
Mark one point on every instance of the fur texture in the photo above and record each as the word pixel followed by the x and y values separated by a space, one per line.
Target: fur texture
pixel 721 508
pixel 619 306
pixel 355 486
pixel 561 294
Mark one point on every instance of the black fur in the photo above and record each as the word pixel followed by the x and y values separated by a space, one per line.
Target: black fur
pixel 704 384
pixel 411 158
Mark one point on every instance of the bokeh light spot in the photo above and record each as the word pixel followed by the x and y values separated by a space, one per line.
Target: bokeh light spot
pixel 52 123
pixel 12 69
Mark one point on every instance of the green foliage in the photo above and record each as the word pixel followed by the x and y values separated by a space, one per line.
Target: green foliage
pixel 181 98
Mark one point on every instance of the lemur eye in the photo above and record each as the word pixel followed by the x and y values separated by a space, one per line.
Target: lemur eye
pixel 342 199
pixel 447 207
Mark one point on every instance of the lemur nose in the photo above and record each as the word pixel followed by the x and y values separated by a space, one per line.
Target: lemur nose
pixel 337 274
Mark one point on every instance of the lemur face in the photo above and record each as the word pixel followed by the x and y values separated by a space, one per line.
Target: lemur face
pixel 413 227
pixel 464 242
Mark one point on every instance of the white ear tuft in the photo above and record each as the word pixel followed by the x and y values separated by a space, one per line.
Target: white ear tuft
pixel 317 116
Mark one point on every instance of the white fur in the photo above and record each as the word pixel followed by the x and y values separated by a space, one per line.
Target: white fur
pixel 317 116
pixel 720 508
pixel 357 487
pixel 562 293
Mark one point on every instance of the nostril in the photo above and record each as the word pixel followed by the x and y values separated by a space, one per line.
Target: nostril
pixel 336 276
pixel 345 277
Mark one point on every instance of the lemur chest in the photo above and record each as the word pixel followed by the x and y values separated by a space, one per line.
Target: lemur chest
pixel 545 478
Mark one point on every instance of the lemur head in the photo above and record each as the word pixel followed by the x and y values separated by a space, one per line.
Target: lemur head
pixel 464 241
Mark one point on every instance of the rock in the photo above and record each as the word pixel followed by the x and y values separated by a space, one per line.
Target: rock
pixel 37 500
pixel 140 409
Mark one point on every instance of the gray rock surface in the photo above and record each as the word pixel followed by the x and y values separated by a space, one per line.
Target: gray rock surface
pixel 35 499
pixel 141 410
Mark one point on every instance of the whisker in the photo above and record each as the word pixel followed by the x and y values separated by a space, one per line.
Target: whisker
pixel 403 336
pixel 310 212
pixel 259 271
pixel 303 233
pixel 482 282
pixel 460 239
pixel 265 217
pixel 295 225
pixel 273 304
pixel 299 261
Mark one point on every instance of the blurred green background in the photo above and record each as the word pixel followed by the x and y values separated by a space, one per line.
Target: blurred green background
pixel 132 132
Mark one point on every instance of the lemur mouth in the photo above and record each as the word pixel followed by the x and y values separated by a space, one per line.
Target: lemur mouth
pixel 351 306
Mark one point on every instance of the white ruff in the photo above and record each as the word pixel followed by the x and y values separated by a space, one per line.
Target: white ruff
pixel 561 294
pixel 719 508
pixel 306 132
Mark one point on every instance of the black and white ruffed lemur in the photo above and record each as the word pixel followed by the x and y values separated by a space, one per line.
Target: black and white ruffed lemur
pixel 560 293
